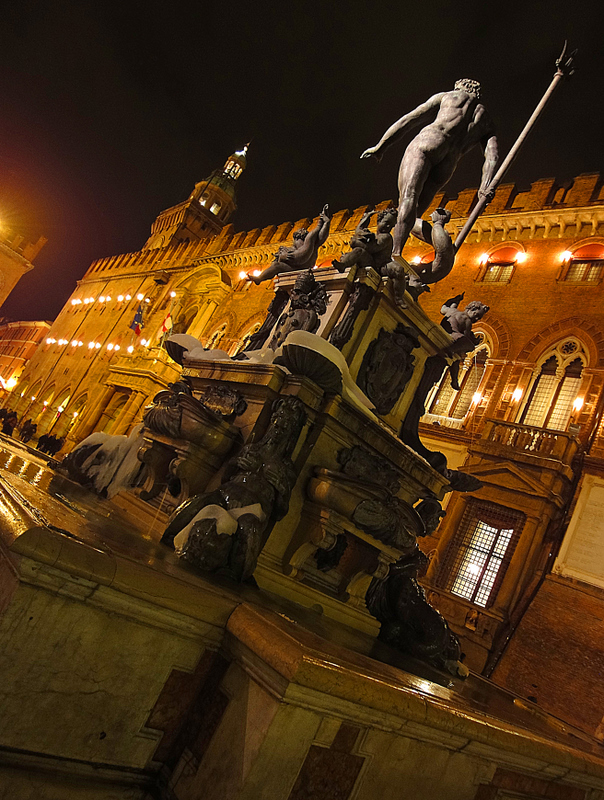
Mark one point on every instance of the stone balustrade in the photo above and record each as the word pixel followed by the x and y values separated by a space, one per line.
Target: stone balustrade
pixel 531 440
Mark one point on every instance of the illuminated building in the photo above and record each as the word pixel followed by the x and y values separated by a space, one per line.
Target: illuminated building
pixel 18 343
pixel 526 421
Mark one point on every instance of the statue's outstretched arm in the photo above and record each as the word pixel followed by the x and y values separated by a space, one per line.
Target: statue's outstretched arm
pixel 451 305
pixel 413 119
pixel 322 229
pixel 491 160
pixel 365 220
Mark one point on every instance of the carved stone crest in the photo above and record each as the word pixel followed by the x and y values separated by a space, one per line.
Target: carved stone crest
pixel 388 366
pixel 308 302
pixel 356 462
pixel 223 400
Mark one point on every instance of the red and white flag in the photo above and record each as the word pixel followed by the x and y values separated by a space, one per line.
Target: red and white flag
pixel 167 324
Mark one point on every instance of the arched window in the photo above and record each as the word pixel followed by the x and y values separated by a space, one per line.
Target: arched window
pixel 215 207
pixel 243 343
pixel 549 403
pixel 214 340
pixel 585 264
pixel 446 401
pixel 498 266
pixel 232 169
pixel 185 318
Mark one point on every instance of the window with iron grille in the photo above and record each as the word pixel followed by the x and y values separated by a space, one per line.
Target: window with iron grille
pixel 480 551
pixel 584 270
pixel 498 271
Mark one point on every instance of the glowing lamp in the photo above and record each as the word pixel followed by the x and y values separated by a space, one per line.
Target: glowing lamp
pixel 45 403
pixel 140 296
pixel 101 299
pixel 108 299
pixel 74 302
pixel 11 383
pixel 74 343
pixel 131 349
pixel 80 344
pixel 417 260
pixel 33 398
pixel 173 294
pixel 578 404
pixel 476 398
pixel 60 409
pixel 128 297
pixel 566 255
pixel 117 347
pixel 75 414
pixel 144 342
pixel 521 257
pixel 49 340
pixel 242 275
pixel 120 297
pixel 109 347
pixel 484 258
pixel 516 395
pixel 255 273
pixel 97 345
pixel 147 300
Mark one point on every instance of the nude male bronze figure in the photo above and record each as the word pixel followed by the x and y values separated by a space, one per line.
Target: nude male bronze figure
pixel 456 122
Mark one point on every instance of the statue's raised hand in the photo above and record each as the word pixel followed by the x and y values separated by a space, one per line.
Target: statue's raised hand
pixel 325 213
pixel 440 216
pixel 372 151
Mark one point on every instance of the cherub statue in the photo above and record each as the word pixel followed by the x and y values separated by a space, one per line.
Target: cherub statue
pixel 459 325
pixel 302 254
pixel 370 249
pixel 374 250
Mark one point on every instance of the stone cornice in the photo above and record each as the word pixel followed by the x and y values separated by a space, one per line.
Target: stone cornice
pixel 549 223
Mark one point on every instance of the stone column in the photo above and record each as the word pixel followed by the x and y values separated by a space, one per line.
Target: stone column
pixel 89 421
pixel 129 417
pixel 127 414
pixel 455 512
pixel 518 564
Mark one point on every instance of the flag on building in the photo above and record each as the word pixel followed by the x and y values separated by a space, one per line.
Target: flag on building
pixel 167 324
pixel 137 323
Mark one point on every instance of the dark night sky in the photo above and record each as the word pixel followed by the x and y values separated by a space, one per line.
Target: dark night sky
pixel 111 113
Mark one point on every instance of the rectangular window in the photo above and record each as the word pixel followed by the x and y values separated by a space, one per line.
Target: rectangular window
pixel 480 551
pixel 563 406
pixel 585 271
pixel 498 272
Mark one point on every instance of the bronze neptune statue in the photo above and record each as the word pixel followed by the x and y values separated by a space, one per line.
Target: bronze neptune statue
pixel 456 122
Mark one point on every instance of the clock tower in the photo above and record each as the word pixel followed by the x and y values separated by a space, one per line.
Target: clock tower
pixel 209 207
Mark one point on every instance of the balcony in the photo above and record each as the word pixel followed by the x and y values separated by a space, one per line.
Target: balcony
pixel 528 444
